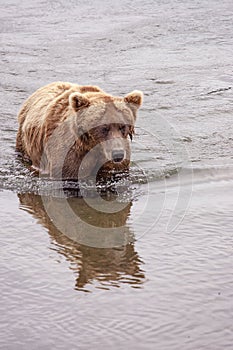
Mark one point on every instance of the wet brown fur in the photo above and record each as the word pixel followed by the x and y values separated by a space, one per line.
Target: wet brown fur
pixel 63 116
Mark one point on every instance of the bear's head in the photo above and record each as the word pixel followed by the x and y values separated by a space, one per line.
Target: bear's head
pixel 104 125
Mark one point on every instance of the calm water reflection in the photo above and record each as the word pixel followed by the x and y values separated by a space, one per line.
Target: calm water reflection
pixel 179 53
pixel 111 266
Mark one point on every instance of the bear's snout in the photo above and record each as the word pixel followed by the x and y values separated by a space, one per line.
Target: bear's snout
pixel 118 155
pixel 115 150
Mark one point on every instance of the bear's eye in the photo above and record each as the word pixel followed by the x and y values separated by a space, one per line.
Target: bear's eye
pixel 105 129
pixel 122 129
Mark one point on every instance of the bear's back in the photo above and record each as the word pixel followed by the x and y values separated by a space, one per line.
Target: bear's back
pixel 40 101
pixel 43 111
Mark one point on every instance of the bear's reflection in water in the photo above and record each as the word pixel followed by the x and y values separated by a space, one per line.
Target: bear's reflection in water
pixel 98 245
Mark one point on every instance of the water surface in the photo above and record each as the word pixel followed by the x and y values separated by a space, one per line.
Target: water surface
pixel 157 273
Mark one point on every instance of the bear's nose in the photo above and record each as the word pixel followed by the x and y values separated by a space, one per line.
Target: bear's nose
pixel 118 155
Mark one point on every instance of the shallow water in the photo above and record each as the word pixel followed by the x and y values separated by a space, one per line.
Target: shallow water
pixel 157 272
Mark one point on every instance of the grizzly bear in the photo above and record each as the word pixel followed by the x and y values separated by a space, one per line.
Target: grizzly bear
pixel 70 131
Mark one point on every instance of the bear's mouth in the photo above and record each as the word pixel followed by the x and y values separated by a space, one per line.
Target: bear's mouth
pixel 111 169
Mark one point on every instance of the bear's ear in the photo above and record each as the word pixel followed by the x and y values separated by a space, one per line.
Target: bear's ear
pixel 78 101
pixel 134 99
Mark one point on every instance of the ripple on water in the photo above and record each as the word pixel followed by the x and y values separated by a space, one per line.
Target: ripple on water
pixel 161 290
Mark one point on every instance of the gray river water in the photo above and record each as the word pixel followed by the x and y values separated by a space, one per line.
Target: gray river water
pixel 157 272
